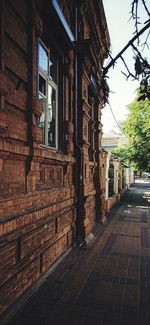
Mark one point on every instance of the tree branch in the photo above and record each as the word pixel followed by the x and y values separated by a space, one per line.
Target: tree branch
pixel 130 74
pixel 146 9
pixel 125 48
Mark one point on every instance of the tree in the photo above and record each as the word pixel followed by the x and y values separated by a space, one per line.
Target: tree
pixel 137 128
pixel 141 66
pixel 122 153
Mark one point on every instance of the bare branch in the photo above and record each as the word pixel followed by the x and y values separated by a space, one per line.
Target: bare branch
pixel 141 66
pixel 136 19
pixel 125 48
pixel 127 76
pixel 134 14
pixel 130 74
pixel 110 55
pixel 146 9
pixel 145 43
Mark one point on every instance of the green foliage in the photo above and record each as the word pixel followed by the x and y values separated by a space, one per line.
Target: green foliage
pixel 122 153
pixel 137 129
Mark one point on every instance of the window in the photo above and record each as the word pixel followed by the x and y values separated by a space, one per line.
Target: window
pixel 48 94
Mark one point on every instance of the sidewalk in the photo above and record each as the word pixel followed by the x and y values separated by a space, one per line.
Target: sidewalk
pixel 107 283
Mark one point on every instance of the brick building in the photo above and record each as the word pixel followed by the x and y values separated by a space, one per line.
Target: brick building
pixel 51 96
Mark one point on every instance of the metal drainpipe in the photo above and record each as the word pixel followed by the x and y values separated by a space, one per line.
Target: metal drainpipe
pixel 79 153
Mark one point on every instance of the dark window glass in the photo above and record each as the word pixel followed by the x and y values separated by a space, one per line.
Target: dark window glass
pixel 53 66
pixel 42 85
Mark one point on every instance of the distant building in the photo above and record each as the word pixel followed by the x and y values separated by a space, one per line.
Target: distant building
pixel 119 176
pixel 109 143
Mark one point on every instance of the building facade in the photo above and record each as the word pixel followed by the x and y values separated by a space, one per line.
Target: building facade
pixel 118 178
pixel 111 142
pixel 51 96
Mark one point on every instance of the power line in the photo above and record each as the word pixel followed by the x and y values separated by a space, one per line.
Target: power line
pixel 114 117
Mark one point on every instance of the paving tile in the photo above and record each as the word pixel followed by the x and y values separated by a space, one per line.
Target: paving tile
pixel 109 283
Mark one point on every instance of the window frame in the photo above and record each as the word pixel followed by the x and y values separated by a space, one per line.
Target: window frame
pixel 49 82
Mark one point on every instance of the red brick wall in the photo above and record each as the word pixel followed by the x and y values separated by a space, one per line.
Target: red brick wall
pixel 37 194
pixel 19 283
pixel 40 197
pixel 12 177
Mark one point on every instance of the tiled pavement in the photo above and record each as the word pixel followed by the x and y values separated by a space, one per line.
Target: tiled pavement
pixel 107 283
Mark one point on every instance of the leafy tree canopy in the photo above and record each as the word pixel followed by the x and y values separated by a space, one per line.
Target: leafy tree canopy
pixel 122 153
pixel 137 128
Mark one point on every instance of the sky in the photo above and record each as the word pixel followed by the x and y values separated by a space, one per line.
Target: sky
pixel 123 91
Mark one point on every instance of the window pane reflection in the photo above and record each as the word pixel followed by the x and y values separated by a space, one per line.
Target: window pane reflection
pixel 51 116
pixel 42 117
pixel 43 58
pixel 48 92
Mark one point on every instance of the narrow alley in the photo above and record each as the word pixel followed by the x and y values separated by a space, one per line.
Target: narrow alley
pixel 107 283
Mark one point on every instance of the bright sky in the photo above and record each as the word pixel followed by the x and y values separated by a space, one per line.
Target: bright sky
pixel 121 31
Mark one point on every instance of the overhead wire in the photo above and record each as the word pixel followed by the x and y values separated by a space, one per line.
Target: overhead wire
pixel 114 117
